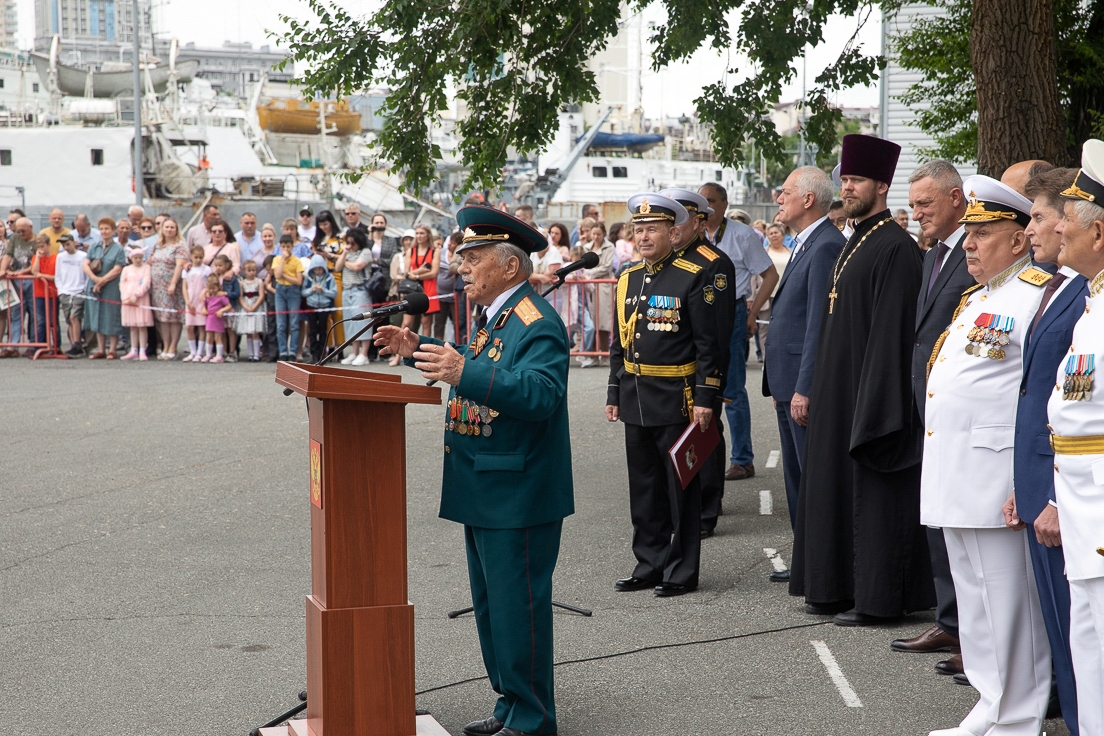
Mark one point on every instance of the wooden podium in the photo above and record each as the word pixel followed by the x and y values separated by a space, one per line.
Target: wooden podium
pixel 360 623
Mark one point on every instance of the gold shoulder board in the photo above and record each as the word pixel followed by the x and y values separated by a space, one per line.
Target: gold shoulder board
pixel 527 312
pixel 686 265
pixel 708 252
pixel 1035 276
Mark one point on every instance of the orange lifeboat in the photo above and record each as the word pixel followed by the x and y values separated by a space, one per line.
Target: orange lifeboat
pixel 302 118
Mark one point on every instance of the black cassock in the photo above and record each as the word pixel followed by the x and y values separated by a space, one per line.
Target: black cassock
pixel 858 535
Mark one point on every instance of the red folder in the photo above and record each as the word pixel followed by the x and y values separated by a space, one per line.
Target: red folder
pixel 692 449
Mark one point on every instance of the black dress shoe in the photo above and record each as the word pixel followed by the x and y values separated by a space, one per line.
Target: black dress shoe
pixel 854 618
pixel 952 666
pixel 486 727
pixel 666 590
pixel 828 609
pixel 634 583
pixel 962 679
pixel 780 576
pixel 706 533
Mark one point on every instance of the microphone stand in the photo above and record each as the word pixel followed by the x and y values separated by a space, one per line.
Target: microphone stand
pixel 336 351
pixel 556 603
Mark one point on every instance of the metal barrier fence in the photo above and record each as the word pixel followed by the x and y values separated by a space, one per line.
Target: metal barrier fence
pixel 586 306
pixel 28 324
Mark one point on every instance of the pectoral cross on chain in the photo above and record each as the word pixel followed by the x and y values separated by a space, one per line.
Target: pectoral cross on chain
pixel 831 300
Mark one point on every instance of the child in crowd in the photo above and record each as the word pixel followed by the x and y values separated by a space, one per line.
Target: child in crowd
pixel 319 290
pixel 215 306
pixel 134 286
pixel 288 272
pixel 228 284
pixel 45 292
pixel 251 322
pixel 195 281
pixel 269 279
pixel 71 280
pixel 577 317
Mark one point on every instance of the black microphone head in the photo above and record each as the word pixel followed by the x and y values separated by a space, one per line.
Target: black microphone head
pixel 590 259
pixel 417 303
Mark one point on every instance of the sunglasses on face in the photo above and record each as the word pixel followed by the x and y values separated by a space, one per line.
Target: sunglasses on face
pixel 147 227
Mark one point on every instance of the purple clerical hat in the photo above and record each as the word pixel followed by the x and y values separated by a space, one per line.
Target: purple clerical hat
pixel 869 157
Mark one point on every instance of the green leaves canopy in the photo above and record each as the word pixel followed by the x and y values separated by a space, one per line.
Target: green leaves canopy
pixel 514 63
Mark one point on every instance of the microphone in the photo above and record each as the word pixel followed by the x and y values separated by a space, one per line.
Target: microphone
pixel 589 260
pixel 415 303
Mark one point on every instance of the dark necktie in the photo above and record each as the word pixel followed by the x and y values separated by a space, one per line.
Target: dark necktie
pixel 940 254
pixel 1051 287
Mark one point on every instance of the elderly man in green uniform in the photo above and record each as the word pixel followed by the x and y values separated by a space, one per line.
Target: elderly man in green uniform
pixel 507 461
pixel 665 372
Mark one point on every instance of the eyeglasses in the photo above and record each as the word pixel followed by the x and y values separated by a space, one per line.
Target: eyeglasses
pixel 147 227
pixel 351 213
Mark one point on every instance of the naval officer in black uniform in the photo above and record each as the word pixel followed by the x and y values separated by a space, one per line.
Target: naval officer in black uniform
pixel 695 249
pixel 665 372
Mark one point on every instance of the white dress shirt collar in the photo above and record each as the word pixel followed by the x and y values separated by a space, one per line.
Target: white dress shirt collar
pixel 501 299
pixel 956 238
pixel 805 234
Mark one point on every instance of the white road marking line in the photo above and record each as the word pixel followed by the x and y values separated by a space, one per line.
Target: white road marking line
pixel 850 699
pixel 772 459
pixel 766 503
pixel 775 558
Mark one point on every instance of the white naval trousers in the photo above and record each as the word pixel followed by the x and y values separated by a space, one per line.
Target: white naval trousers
pixel 1005 650
pixel 1087 649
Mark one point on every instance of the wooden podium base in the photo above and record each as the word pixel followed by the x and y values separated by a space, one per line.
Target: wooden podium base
pixel 427 726
pixel 361 661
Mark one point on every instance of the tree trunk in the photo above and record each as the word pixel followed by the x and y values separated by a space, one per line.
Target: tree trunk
pixel 1013 56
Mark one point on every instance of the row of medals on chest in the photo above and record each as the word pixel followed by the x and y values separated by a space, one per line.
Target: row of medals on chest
pixel 469 418
pixel 1078 383
pixel 990 333
pixel 663 313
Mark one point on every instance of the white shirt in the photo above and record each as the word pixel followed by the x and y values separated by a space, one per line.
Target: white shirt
pixel 970 411
pixel 952 242
pixel 69 276
pixel 500 300
pixel 249 246
pixel 306 234
pixel 552 260
pixel 1079 479
pixel 802 237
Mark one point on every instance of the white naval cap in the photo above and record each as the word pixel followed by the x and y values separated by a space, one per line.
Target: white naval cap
pixel 836 176
pixel 654 207
pixel 1089 184
pixel 990 201
pixel 694 203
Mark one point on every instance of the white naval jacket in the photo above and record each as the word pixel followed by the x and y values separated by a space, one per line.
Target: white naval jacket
pixel 1079 479
pixel 970 412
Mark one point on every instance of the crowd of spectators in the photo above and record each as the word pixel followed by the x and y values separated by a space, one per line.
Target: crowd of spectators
pixel 136 287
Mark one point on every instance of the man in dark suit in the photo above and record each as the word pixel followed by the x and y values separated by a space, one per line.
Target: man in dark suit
pixel 938 203
pixel 791 345
pixel 1046 346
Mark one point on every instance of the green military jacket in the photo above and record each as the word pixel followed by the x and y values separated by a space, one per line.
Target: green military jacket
pixel 507 439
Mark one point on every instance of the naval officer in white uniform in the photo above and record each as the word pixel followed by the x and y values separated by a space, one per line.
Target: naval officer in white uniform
pixel 970 418
pixel 1076 412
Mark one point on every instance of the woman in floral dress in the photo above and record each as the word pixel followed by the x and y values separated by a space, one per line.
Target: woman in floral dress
pixel 167 260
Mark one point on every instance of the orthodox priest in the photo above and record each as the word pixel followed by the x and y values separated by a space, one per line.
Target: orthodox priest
pixel 859 551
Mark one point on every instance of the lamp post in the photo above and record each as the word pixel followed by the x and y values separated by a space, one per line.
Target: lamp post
pixel 137 110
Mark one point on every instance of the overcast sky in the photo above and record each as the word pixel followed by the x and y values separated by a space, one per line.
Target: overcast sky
pixel 671 92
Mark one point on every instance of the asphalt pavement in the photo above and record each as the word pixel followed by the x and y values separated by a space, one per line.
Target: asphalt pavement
pixel 154 558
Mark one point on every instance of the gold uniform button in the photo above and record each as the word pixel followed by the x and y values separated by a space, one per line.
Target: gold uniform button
pixel 931 394
pixel 983 297
pixel 1055 468
pixel 638 336
pixel 930 432
pixel 942 358
pixel 447 450
pixel 961 326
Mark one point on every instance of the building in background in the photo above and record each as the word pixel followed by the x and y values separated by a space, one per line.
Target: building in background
pixel 91 31
pixel 898 119
pixel 235 68
pixel 9 24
